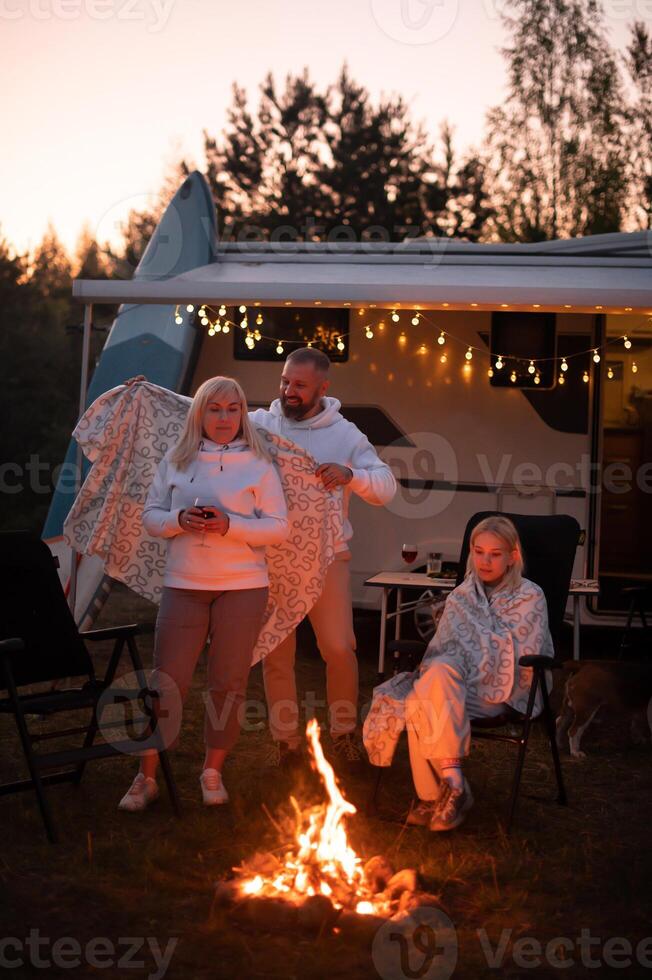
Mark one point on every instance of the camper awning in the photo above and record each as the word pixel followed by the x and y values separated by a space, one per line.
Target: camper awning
pixel 612 273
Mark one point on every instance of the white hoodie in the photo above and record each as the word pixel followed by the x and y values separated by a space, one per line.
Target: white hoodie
pixel 330 438
pixel 232 478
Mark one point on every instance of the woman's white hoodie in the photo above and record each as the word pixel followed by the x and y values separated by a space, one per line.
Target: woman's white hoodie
pixel 244 486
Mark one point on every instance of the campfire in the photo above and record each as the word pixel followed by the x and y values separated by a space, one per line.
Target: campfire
pixel 319 881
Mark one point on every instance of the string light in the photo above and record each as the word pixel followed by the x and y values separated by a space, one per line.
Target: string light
pixel 257 335
pixel 259 319
pixel 441 339
pixel 204 321
pixel 340 344
pixel 627 342
pixel 499 363
pixel 469 354
pixel 369 333
pixel 395 316
pixel 249 341
pixel 415 320
pixel 596 356
pixel 244 323
pixel 512 377
pixel 226 328
pixel 243 308
pixel 202 311
pixel 610 373
pixel 564 365
pixel 634 367
pixel 211 331
pixel 177 316
pixel 279 348
pixel 585 377
pixel 490 373
pixel 443 358
pixel 222 310
pixel 561 380
pixel 218 326
pixel 423 349
pixel 537 378
pixel 402 340
pixel 531 369
pixel 190 308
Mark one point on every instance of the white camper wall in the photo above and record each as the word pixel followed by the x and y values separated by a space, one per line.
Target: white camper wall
pixel 464 432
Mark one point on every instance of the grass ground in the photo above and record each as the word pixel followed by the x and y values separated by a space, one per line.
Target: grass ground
pixel 568 872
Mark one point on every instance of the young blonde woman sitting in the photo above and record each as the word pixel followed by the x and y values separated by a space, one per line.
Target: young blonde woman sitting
pixel 218 500
pixel 470 669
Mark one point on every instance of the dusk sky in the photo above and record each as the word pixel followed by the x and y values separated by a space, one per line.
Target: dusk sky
pixel 102 96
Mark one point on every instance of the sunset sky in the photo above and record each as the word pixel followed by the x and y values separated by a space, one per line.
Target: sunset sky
pixel 100 97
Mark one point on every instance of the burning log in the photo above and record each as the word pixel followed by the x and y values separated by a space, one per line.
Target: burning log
pixel 319 882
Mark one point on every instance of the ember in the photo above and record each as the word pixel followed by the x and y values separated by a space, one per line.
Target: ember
pixel 320 880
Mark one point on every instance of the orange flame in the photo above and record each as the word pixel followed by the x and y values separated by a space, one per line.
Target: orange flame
pixel 322 862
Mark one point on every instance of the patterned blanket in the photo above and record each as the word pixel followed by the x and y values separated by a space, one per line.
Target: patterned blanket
pixel 125 433
pixel 485 640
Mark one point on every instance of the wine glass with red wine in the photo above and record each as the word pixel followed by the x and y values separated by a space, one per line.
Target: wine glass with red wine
pixel 409 553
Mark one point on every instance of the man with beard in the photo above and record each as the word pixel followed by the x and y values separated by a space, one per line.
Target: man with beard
pixel 305 414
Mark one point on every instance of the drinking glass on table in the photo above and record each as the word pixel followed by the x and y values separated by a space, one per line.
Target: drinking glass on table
pixel 409 553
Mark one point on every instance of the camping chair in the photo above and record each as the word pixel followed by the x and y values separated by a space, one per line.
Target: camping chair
pixel 40 643
pixel 549 545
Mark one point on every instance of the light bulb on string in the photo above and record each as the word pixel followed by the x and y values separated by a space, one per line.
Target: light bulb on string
pixel 202 311
pixel 499 363
pixel 415 320
pixel 249 341
pixel 634 367
pixel 564 365
pixel 627 342
pixel 222 310
pixel 490 373
pixel 190 308
pixel 537 378
pixel 211 332
pixel 561 380
pixel 218 326
pixel 512 377
pixel 531 369
pixel 402 340
pixel 244 323
pixel 395 316
pixel 204 321
pixel 259 319
pixel 596 356
pixel 369 334
pixel 340 344
pixel 441 339
pixel 469 354
pixel 243 308
pixel 257 335
pixel 443 358
pixel 279 348
pixel 178 319
pixel 226 328
pixel 585 377
pixel 610 372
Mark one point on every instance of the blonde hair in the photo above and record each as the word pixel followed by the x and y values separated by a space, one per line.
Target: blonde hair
pixel 192 434
pixel 504 529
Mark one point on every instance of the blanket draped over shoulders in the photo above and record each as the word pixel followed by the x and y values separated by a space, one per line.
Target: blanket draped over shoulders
pixel 125 434
pixel 484 637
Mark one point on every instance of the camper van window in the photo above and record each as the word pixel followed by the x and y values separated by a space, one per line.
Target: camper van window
pixel 282 330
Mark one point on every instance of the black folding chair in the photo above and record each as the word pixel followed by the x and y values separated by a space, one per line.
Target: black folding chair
pixel 40 643
pixel 549 545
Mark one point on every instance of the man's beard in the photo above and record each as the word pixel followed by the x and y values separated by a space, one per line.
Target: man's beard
pixel 299 411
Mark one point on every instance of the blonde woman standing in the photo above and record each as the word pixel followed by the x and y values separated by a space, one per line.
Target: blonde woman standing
pixel 218 500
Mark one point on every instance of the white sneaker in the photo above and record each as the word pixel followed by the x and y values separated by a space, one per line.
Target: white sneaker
pixel 140 794
pixel 213 790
